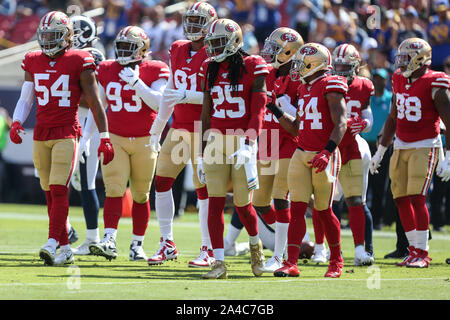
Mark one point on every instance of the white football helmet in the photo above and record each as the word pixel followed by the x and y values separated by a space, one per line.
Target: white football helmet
pixel 346 61
pixel 54 33
pixel 131 44
pixel 224 39
pixel 197 20
pixel 84 31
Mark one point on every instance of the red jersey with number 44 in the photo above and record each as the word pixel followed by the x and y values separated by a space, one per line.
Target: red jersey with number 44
pixel 231 109
pixel 314 113
pixel 417 118
pixel 58 91
pixel 128 115
pixel 359 92
pixel 185 71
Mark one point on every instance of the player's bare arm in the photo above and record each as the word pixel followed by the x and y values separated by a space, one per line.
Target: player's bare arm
pixel 257 115
pixel 91 93
pixel 205 118
pixel 388 131
pixel 338 113
pixel 442 105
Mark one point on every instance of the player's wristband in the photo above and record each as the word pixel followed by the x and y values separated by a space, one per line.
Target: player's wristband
pixel 277 112
pixel 331 146
pixel 104 135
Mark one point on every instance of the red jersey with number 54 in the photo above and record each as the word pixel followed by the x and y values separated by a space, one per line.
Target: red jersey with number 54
pixel 314 113
pixel 417 118
pixel 58 91
pixel 185 70
pixel 231 106
pixel 128 115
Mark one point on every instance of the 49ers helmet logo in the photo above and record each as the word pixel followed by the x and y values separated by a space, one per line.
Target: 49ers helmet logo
pixel 288 37
pixel 230 27
pixel 143 35
pixel 212 12
pixel 416 45
pixel 308 51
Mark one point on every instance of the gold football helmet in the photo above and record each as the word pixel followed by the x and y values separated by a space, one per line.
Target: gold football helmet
pixel 346 61
pixel 310 58
pixel 281 46
pixel 131 44
pixel 224 38
pixel 197 20
pixel 413 53
pixel 54 33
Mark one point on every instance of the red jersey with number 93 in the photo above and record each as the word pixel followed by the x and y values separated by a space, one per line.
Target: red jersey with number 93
pixel 314 113
pixel 128 115
pixel 417 118
pixel 58 91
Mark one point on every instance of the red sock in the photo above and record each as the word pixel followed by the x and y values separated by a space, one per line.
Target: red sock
pixel 406 213
pixel 140 215
pixel 357 220
pixel 163 184
pixel 421 215
pixel 283 215
pixel 48 195
pixel 216 222
pixel 296 231
pixel 112 211
pixel 270 216
pixel 319 232
pixel 332 231
pixel 59 212
pixel 248 217
pixel 64 237
pixel 202 193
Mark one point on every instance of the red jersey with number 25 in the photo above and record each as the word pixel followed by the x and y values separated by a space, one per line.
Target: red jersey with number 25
pixel 185 71
pixel 359 92
pixel 128 115
pixel 58 91
pixel 417 118
pixel 314 113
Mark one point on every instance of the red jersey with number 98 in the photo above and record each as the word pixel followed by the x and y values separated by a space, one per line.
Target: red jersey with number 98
pixel 128 115
pixel 314 113
pixel 417 118
pixel 58 91
pixel 185 71
pixel 231 109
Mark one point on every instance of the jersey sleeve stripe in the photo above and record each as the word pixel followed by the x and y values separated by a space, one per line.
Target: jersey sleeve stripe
pixel 337 81
pixel 89 58
pixel 88 64
pixel 165 69
pixel 336 87
pixel 164 75
pixel 261 66
pixel 440 84
pixel 261 71
pixel 443 79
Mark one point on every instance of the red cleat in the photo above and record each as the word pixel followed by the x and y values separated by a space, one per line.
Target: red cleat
pixel 334 269
pixel 422 260
pixel 410 258
pixel 287 270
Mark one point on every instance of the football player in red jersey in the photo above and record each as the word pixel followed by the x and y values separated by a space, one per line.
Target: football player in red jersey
pixel 57 76
pixel 320 125
pixel 133 88
pixel 420 100
pixel 232 117
pixel 355 153
pixel 182 99
pixel 276 146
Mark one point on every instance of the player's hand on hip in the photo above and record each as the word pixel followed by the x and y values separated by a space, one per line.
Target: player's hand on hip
pixel 243 155
pixel 320 160
pixel 16 132
pixel 356 125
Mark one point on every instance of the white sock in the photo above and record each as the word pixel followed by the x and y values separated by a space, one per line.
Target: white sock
pixel 412 236
pixel 219 254
pixel 422 239
pixel 319 247
pixel 137 238
pixel 281 231
pixel 111 232
pixel 92 235
pixel 203 217
pixel 232 235
pixel 68 224
pixel 253 239
pixel 65 248
pixel 306 237
pixel 165 210
pixel 52 242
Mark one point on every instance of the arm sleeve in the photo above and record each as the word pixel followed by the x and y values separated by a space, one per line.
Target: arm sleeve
pixel 194 97
pixel 166 107
pixel 151 95
pixel 25 102
pixel 368 117
pixel 286 106
pixel 90 125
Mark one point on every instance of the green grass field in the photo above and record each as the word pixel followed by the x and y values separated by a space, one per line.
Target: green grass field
pixel 23 230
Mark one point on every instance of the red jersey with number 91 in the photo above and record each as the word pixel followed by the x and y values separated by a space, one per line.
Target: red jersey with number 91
pixel 314 113
pixel 185 71
pixel 58 91
pixel 417 118
pixel 231 109
pixel 128 115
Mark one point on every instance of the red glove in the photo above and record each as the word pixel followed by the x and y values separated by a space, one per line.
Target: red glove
pixel 356 125
pixel 320 160
pixel 107 149
pixel 16 130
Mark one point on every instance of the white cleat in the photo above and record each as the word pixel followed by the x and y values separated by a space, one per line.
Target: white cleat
pixel 236 249
pixel 204 260
pixel 167 251
pixel 272 264
pixel 362 258
pixel 320 254
pixel 64 257
pixel 137 251
pixel 105 248
pixel 48 253
pixel 83 249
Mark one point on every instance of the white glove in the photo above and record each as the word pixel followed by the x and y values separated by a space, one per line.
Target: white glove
pixel 243 155
pixel 154 143
pixel 130 76
pixel 376 159
pixel 175 96
pixel 157 126
pixel 443 167
pixel 201 171
pixel 84 148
